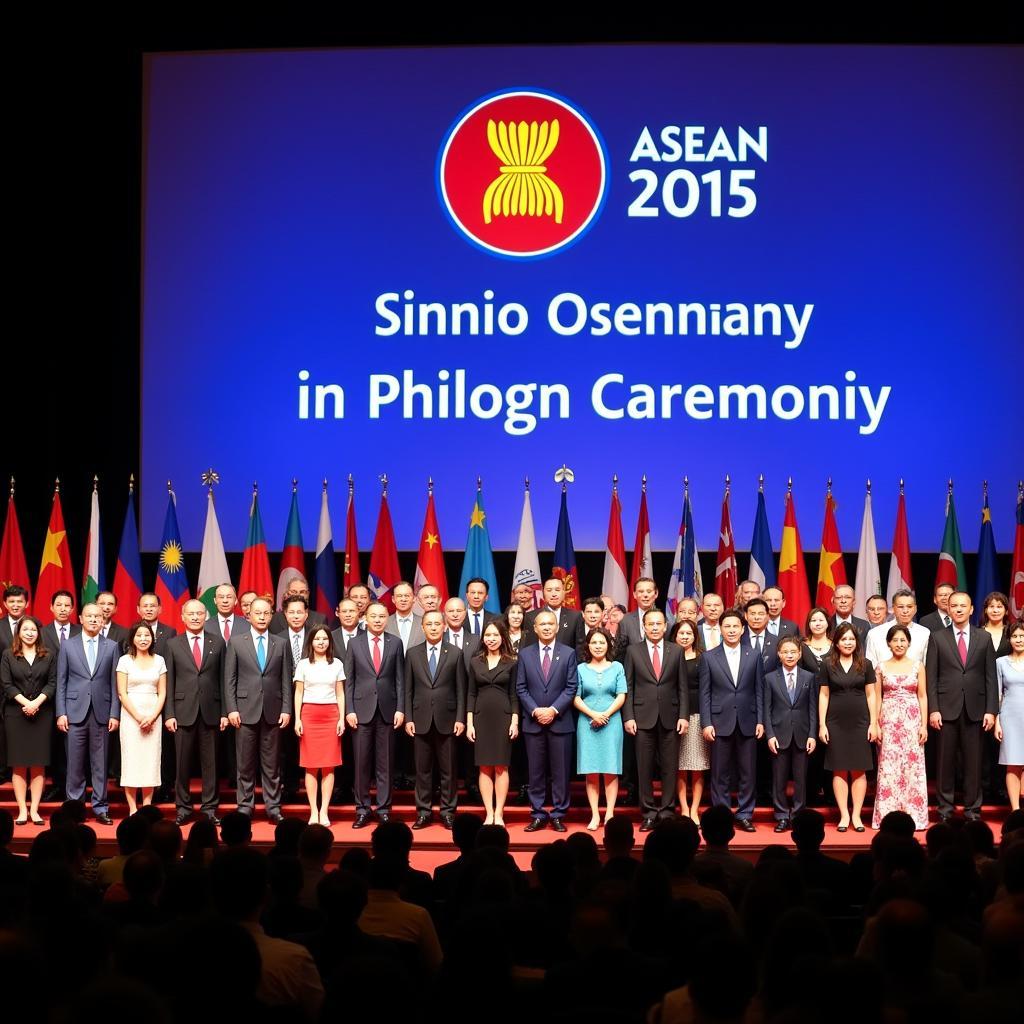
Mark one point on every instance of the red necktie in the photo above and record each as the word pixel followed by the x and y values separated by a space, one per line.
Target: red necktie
pixel 962 648
pixel 376 654
pixel 656 660
pixel 227 631
pixel 196 653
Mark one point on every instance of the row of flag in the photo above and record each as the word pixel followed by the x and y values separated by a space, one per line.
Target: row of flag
pixel 383 573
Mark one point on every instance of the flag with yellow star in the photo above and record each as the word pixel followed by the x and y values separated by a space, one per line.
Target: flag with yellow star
pixel 831 568
pixel 430 560
pixel 792 571
pixel 55 572
pixel 171 582
pixel 478 563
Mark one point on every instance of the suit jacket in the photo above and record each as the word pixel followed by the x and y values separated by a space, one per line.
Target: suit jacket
pixel 51 639
pixel 570 627
pixel 19 677
pixel 238 624
pixel 470 643
pixel 933 621
pixel 629 627
pixel 250 692
pixel 366 690
pixel 161 635
pixel 192 690
pixel 79 690
pixel 340 643
pixel 557 691
pixel 487 617
pixel 787 627
pixel 790 721
pixel 769 649
pixel 415 634
pixel 650 700
pixel 861 625
pixel 119 634
pixel 6 633
pixel 278 623
pixel 440 701
pixel 726 705
pixel 954 686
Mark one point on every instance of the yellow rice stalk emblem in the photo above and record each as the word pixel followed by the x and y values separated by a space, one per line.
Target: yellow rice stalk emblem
pixel 522 187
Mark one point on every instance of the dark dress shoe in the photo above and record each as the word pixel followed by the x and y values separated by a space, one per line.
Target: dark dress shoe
pixel 536 825
pixel 858 828
pixel 37 821
pixel 558 825
pixel 104 819
pixel 448 820
pixel 383 816
pixel 214 818
pixel 55 794
pixel 971 816
pixel 182 817
pixel 275 817
pixel 782 825
pixel 647 825
pixel 745 825
pixel 422 821
pixel 362 820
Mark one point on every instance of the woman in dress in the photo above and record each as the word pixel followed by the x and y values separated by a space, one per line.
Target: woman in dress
pixel 492 716
pixel 28 673
pixel 817 645
pixel 599 696
pixel 141 687
pixel 996 621
pixel 513 619
pixel 694 752
pixel 319 719
pixel 902 731
pixel 1010 720
pixel 848 717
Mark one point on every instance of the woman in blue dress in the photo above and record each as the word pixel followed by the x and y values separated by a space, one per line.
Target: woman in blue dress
pixel 1010 721
pixel 599 696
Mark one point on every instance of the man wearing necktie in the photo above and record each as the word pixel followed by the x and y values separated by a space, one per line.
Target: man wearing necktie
pixel 963 702
pixel 258 704
pixel 477 615
pixel 457 630
pixel 405 623
pixel 757 636
pixel 62 607
pixel 939 619
pixel 546 682
pixel 711 608
pixel 790 719
pixel 88 708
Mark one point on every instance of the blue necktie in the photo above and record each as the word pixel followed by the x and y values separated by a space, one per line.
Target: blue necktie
pixel 476 623
pixel 433 662
pixel 90 654
pixel 261 653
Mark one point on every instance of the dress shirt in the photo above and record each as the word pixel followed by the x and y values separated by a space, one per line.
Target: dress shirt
pixel 757 641
pixel 660 647
pixel 877 650
pixel 192 637
pixel 732 656
pixel 457 637
pixel 404 624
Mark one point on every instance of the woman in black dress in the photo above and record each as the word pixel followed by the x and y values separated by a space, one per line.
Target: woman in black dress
pixel 848 713
pixel 492 716
pixel 817 646
pixel 28 673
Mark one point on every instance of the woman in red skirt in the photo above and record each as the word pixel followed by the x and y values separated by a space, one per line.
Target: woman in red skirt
pixel 319 718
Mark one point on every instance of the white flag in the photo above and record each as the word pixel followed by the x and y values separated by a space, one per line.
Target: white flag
pixel 527 569
pixel 213 565
pixel 868 582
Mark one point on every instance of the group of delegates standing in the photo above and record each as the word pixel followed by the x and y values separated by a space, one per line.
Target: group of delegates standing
pixel 604 682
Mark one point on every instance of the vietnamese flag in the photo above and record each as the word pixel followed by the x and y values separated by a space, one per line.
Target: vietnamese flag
pixel 384 572
pixel 831 569
pixel 171 586
pixel 255 574
pixel 293 559
pixel 13 567
pixel 792 571
pixel 128 574
pixel 55 572
pixel 430 560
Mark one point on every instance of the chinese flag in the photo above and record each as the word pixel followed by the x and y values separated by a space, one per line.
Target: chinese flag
pixel 55 572
pixel 430 560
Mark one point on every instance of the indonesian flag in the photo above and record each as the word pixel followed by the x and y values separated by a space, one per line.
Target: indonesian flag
pixel 792 571
pixel 430 560
pixel 831 569
pixel 900 575
pixel 642 561
pixel 613 583
pixel 726 570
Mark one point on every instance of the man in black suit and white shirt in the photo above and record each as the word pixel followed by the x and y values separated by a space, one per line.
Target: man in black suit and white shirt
pixel 939 619
pixel 778 626
pixel 477 616
pixel 225 622
pixel 107 603
pixel 963 701
pixel 15 605
pixel 374 709
pixel 348 617
pixel 62 607
pixel 194 713
pixel 435 714
pixel 757 636
pixel 711 609
pixel 297 587
pixel 258 701
pixel 456 632
pixel 645 593
pixel 568 620
pixel 150 609
pixel 843 599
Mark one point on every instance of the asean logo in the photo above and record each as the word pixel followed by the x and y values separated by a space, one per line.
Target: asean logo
pixel 523 174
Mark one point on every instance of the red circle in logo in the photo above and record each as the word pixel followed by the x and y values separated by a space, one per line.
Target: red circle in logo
pixel 522 174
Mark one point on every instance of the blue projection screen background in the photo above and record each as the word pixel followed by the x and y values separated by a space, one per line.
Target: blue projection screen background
pixel 799 261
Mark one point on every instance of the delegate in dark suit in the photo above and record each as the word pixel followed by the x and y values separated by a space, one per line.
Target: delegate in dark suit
pixel 374 698
pixel 58 750
pixel 783 627
pixel 570 627
pixel 87 703
pixel 279 624
pixel 435 703
pixel 195 713
pixel 631 627
pixel 860 625
pixel 657 703
pixel 260 699
pixel 789 721
pixel 548 744
pixel 961 697
pixel 768 646
pixel 732 706
pixel 933 621
pixel 470 643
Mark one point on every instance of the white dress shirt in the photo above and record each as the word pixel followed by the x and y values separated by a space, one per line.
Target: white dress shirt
pixel 877 650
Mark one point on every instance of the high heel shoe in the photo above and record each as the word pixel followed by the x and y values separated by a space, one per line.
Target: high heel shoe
pixel 858 828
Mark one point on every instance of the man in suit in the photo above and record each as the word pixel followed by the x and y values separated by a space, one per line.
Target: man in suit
pixel 843 599
pixel 348 617
pixel 790 719
pixel 55 633
pixel 731 699
pixel 297 625
pixel 193 712
pixel 107 603
pixel 778 626
pixel 567 620
pixel 757 636
pixel 456 632
pixel 963 701
pixel 877 610
pixel 297 587
pixel 477 615
pixel 375 708
pixel 645 592
pixel 657 713
pixel 15 605
pixel 360 593
pixel 428 597
pixel 435 714
pixel 546 682
pixel 225 622
pixel 150 609
pixel 939 619
pixel 711 609
pixel 88 709
pixel 405 623
pixel 258 703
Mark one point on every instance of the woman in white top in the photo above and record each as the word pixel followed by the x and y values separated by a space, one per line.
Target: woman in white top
pixel 319 718
pixel 141 687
